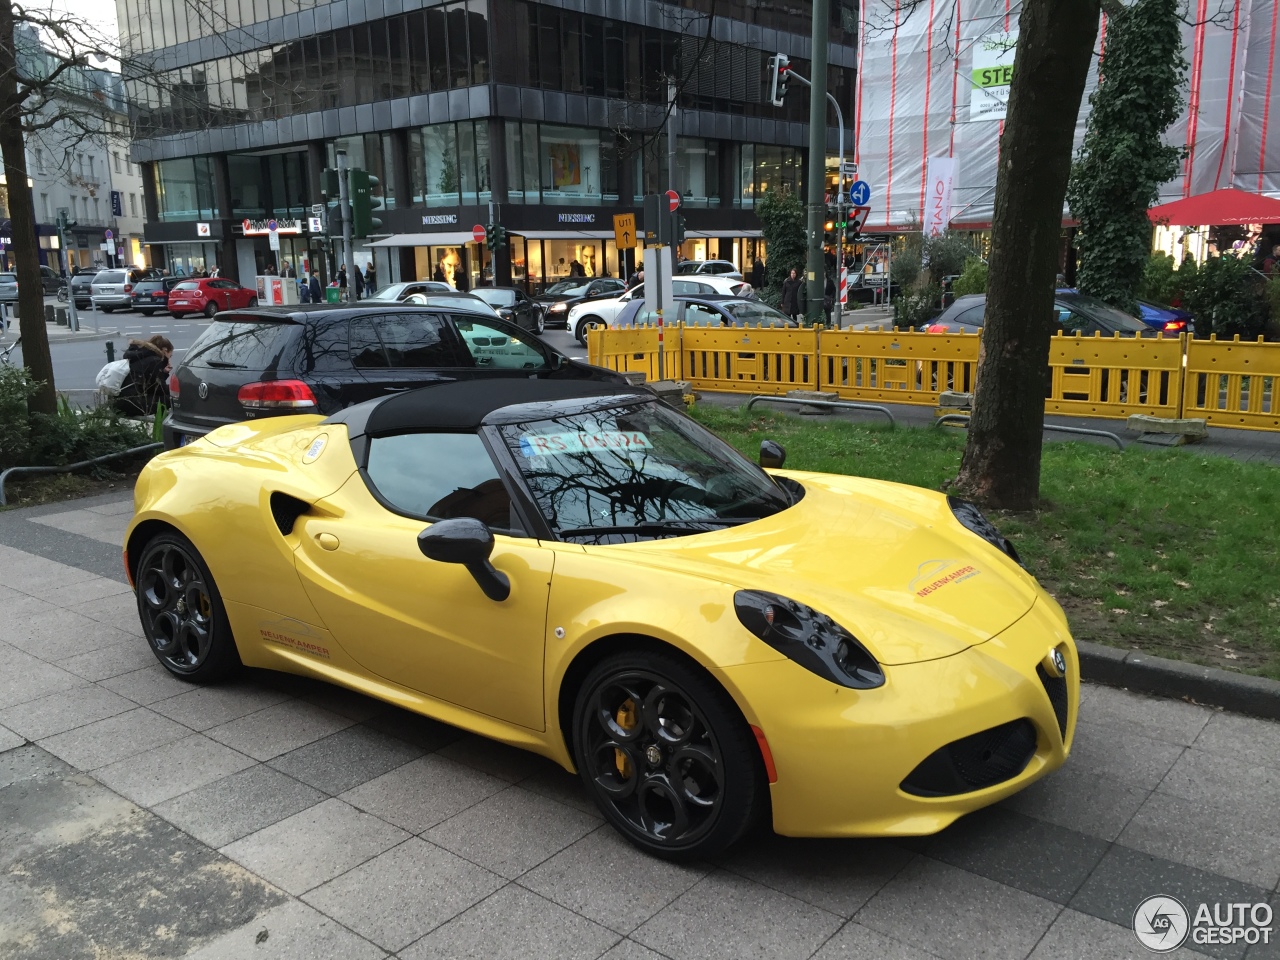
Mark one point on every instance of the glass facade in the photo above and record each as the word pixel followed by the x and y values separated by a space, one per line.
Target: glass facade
pixel 449 164
pixel 372 153
pixel 762 167
pixel 268 185
pixel 560 165
pixel 184 189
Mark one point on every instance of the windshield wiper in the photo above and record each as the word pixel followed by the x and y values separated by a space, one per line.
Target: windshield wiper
pixel 224 365
pixel 659 525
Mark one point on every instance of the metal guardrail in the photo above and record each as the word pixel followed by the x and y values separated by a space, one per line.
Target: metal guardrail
pixel 840 404
pixel 1082 431
pixel 5 475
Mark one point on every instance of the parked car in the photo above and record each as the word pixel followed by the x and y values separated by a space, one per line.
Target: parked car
pixel 600 313
pixel 1170 320
pixel 577 570
pixel 152 294
pixel 50 279
pixel 1077 313
pixel 8 288
pixel 208 295
pixel 275 361
pixel 718 268
pixel 514 305
pixel 82 289
pixel 396 292
pixel 709 312
pixel 112 290
pixel 562 297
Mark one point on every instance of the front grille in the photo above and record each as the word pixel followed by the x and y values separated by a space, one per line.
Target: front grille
pixel 1056 688
pixel 974 762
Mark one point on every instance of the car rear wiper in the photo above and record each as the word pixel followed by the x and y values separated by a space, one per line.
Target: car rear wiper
pixel 224 365
pixel 659 525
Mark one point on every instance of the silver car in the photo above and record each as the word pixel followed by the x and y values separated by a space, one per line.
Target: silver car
pixel 8 288
pixel 112 290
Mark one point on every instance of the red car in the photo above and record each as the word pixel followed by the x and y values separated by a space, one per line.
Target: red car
pixel 208 296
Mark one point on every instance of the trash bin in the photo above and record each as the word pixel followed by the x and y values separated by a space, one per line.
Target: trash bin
pixel 332 295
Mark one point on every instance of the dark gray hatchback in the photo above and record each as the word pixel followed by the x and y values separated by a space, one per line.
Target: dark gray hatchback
pixel 275 361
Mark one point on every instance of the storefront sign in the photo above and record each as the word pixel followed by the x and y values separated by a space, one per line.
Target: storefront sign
pixel 576 218
pixel 260 228
pixel 992 75
pixel 439 219
pixel 202 230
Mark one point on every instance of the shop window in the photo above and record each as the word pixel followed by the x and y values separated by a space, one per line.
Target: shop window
pixel 440 159
pixel 698 171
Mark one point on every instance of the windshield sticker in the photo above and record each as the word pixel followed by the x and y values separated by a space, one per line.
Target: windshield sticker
pixel 930 578
pixel 552 444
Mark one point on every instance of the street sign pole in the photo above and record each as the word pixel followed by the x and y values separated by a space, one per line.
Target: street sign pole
pixel 344 197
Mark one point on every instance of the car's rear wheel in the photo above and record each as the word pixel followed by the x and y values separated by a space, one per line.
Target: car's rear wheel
pixel 666 755
pixel 182 613
pixel 210 309
pixel 585 324
pixel 107 309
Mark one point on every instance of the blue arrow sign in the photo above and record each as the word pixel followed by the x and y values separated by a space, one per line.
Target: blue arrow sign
pixel 860 193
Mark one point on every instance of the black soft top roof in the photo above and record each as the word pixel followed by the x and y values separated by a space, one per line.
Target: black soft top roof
pixel 466 404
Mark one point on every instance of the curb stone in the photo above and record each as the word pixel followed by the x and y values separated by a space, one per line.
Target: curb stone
pixel 1141 672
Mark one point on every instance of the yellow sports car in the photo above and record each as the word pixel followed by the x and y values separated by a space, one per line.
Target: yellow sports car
pixel 576 569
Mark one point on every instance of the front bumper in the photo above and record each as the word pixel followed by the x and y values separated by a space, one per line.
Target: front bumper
pixel 842 755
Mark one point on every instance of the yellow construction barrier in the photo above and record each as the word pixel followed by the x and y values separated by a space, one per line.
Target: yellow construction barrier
pixel 896 367
pixel 768 360
pixel 1114 376
pixel 631 349
pixel 1233 383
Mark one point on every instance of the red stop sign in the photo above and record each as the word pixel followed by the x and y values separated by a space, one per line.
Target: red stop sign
pixel 477 233
pixel 673 200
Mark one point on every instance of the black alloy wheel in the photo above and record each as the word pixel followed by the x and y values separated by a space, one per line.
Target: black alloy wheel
pixel 666 755
pixel 182 613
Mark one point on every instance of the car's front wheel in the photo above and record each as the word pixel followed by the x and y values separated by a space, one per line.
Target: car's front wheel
pixel 182 613
pixel 587 323
pixel 253 302
pixel 540 324
pixel 666 755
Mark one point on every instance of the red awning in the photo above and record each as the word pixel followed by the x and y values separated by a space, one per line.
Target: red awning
pixel 1218 208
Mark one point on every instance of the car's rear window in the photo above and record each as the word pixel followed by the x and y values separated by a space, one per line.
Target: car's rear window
pixel 187 285
pixel 145 286
pixel 8 278
pixel 240 344
pixel 110 276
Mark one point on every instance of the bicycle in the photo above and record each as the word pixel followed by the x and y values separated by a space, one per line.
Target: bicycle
pixel 4 354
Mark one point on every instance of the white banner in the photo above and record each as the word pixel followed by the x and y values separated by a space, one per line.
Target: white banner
pixel 939 176
pixel 992 74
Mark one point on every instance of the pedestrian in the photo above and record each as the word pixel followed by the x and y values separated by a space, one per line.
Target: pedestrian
pixel 288 270
pixel 757 274
pixel 370 287
pixel 147 384
pixel 215 272
pixel 636 279
pixel 304 289
pixel 359 284
pixel 317 291
pixel 342 281
pixel 793 296
pixel 829 294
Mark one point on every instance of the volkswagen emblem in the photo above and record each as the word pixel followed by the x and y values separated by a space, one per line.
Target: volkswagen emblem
pixel 203 390
pixel 1059 662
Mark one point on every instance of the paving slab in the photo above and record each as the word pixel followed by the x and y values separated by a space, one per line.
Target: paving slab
pixel 237 805
pixel 424 792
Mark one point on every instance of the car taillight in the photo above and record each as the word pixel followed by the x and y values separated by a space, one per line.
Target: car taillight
pixel 276 394
pixel 937 328
pixel 1175 326
pixel 128 288
pixel 174 387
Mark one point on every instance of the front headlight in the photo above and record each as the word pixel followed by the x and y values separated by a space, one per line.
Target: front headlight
pixel 559 307
pixel 973 519
pixel 811 639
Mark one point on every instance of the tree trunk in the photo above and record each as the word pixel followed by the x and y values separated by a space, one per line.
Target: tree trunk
pixel 35 338
pixel 1001 463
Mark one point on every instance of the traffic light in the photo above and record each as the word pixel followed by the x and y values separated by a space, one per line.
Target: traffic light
pixel 680 228
pixel 363 202
pixel 495 237
pixel 333 202
pixel 779 77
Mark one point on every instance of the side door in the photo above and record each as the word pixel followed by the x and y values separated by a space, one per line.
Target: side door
pixel 527 311
pixel 326 361
pixel 416 622
pixel 703 315
pixel 395 352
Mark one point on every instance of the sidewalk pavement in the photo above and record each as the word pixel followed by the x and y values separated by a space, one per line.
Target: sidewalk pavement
pixel 276 817
pixel 1253 446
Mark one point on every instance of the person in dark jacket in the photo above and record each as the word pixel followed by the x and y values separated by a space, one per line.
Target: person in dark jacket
pixel 793 298
pixel 757 274
pixel 317 291
pixel 148 381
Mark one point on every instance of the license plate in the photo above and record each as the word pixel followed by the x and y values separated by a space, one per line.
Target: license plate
pixel 179 303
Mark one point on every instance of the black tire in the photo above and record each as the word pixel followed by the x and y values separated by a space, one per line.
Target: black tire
pixel 585 324
pixel 210 309
pixel 540 325
pixel 107 309
pixel 684 797
pixel 253 302
pixel 182 614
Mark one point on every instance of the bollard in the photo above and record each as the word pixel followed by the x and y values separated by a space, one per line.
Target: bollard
pixel 48 313
pixel 111 351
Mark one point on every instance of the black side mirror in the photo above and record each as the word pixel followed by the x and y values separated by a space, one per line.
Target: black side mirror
pixel 772 454
pixel 470 543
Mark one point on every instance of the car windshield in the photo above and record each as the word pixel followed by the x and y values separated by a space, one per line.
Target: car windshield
pixel 495 298
pixel 637 472
pixel 565 286
pixel 1103 312
pixel 753 311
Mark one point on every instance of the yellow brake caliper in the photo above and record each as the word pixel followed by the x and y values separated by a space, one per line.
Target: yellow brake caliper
pixel 626 717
